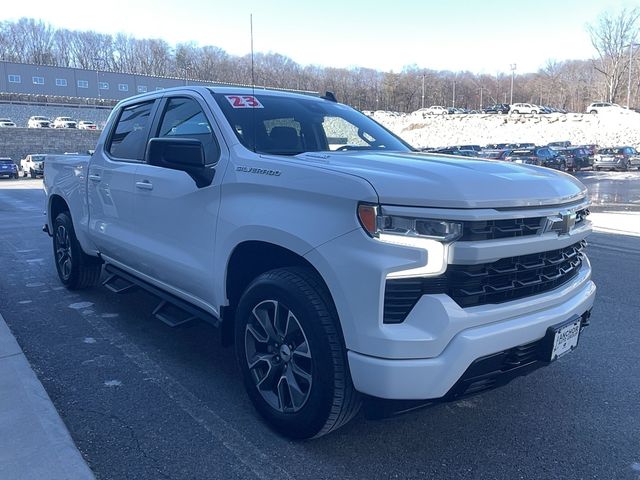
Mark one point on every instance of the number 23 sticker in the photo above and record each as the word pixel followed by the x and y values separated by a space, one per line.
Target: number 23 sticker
pixel 244 101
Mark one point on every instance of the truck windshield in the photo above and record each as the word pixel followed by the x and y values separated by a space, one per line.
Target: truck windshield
pixel 283 125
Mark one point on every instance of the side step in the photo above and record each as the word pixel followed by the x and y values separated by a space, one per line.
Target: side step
pixel 118 284
pixel 172 310
pixel 172 315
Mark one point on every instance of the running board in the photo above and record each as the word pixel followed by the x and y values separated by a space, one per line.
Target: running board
pixel 172 310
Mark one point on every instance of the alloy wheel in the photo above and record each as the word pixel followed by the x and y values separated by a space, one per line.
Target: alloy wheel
pixel 278 356
pixel 63 252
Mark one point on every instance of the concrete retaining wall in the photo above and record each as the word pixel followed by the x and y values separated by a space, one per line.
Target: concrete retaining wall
pixel 17 143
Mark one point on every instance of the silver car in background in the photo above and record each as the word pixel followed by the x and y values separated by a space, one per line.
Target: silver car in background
pixel 616 158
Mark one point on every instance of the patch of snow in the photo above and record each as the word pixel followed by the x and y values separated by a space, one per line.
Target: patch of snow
pixel 627 223
pixel 113 383
pixel 423 130
pixel 80 305
pixel 35 284
pixel 89 340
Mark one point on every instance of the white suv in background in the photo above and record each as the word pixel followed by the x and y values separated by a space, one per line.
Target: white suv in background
pixel 6 123
pixel 436 110
pixel 603 107
pixel 64 122
pixel 38 122
pixel 524 108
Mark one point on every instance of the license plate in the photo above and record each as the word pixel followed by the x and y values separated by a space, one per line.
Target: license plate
pixel 565 338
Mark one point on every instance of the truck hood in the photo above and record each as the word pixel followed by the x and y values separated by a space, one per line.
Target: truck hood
pixel 428 180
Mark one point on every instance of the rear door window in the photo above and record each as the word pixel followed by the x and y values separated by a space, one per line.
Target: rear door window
pixel 129 137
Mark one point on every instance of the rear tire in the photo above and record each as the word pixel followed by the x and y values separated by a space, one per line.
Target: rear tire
pixel 76 269
pixel 291 352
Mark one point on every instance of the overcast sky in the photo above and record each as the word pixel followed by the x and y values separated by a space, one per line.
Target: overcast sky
pixel 480 36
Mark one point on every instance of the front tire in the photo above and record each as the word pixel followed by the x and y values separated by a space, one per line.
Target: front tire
pixel 76 269
pixel 292 356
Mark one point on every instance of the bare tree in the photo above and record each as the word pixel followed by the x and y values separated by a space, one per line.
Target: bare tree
pixel 612 36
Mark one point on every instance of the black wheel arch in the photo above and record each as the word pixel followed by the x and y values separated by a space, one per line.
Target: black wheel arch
pixel 248 260
pixel 57 205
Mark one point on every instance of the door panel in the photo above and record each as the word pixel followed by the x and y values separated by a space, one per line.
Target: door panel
pixel 111 200
pixel 176 220
pixel 111 177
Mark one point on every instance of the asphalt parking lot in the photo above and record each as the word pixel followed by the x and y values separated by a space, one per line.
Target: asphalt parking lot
pixel 144 401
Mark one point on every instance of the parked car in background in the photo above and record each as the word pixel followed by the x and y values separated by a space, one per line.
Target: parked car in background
pixel 475 148
pixel 497 108
pixel 32 165
pixel 500 146
pixel 6 122
pixel 525 145
pixel 436 110
pixel 38 121
pixel 591 148
pixel 64 122
pixel 616 158
pixel 563 144
pixel 8 168
pixel 603 107
pixel 542 156
pixel 455 151
pixel 524 108
pixel 495 154
pixel 86 125
pixel 576 158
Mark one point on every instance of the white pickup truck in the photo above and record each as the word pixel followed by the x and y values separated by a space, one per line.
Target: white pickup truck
pixel 342 264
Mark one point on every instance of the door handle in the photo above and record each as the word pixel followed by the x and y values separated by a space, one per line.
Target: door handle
pixel 146 185
pixel 94 177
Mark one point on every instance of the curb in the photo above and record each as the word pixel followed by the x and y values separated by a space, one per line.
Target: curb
pixel 35 443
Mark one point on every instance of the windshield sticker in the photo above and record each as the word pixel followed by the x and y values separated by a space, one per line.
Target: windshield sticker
pixel 243 101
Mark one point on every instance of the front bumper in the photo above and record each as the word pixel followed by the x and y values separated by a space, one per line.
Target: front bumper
pixel 499 328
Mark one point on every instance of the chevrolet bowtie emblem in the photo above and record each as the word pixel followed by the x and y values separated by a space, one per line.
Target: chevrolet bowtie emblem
pixel 561 223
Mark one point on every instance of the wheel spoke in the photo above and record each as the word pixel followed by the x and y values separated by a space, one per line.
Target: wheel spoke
pixel 280 320
pixel 291 325
pixel 261 357
pixel 262 316
pixel 256 335
pixel 297 370
pixel 302 350
pixel 268 381
pixel 296 395
pixel 66 267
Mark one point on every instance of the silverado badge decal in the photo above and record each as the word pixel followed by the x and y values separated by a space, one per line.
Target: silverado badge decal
pixel 259 171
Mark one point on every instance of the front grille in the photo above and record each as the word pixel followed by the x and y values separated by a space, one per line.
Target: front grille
pixel 494 229
pixel 488 283
pixel 480 230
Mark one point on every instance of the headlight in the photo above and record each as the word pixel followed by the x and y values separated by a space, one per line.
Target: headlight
pixel 376 225
pixel 430 235
pixel 419 227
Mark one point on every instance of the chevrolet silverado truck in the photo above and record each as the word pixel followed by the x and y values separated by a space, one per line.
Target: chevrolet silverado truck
pixel 341 263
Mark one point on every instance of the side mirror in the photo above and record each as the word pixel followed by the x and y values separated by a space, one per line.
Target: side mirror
pixel 184 154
